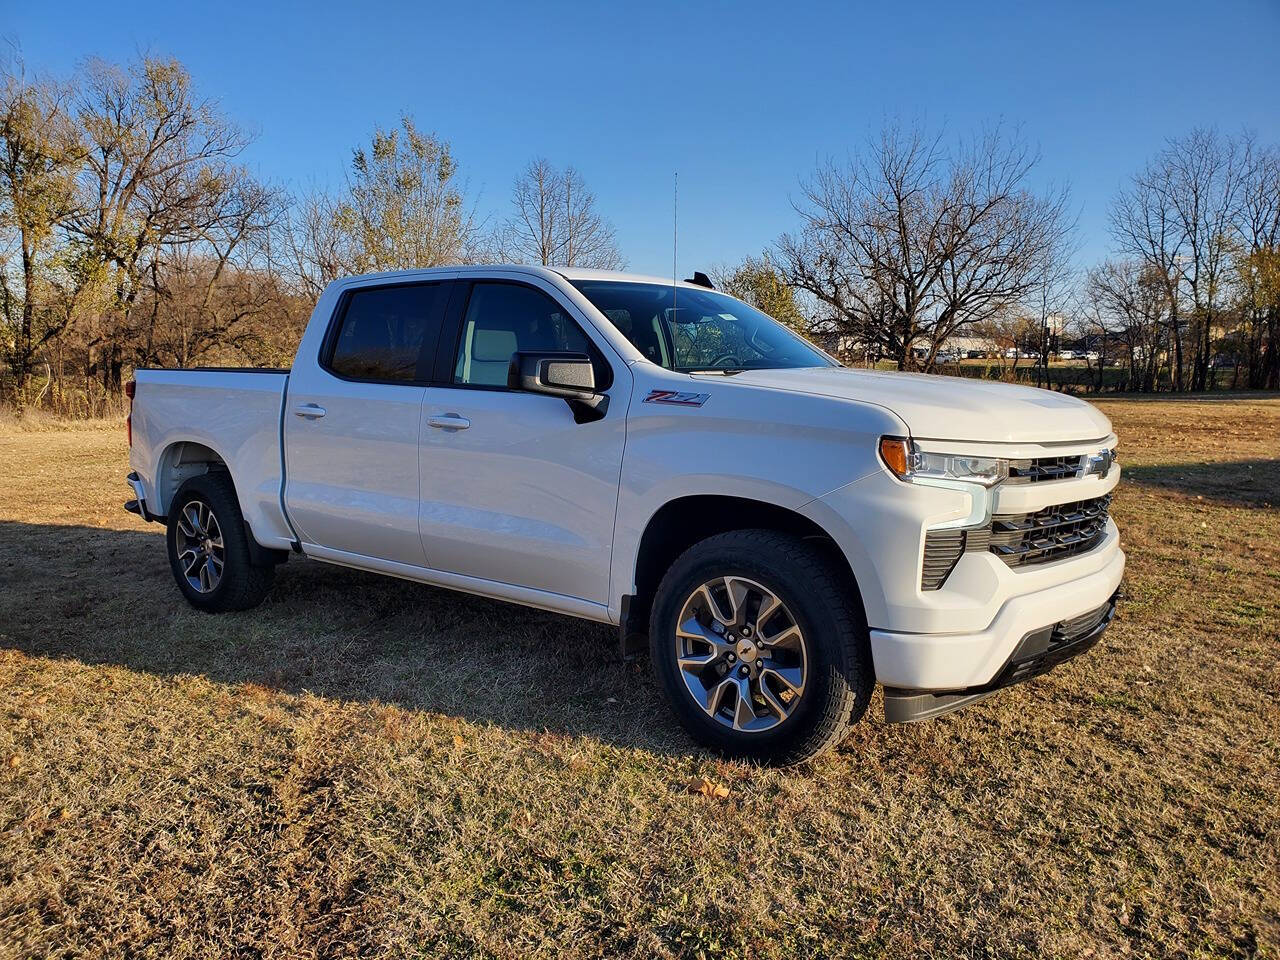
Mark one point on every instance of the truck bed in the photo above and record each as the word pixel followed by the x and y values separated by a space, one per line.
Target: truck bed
pixel 180 415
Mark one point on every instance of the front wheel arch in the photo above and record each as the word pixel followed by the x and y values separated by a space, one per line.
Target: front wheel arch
pixel 679 524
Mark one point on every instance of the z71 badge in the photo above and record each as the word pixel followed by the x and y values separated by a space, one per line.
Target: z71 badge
pixel 679 397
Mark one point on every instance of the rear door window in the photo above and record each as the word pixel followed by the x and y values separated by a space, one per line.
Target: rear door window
pixel 388 334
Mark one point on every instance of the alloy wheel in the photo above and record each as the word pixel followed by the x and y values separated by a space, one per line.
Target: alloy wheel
pixel 741 654
pixel 201 552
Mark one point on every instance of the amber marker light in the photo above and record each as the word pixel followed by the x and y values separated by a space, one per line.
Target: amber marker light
pixel 895 451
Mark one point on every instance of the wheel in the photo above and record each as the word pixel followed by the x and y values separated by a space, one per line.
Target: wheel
pixel 759 648
pixel 209 547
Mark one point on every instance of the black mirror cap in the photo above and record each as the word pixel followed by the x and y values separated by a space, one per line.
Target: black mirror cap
pixel 571 376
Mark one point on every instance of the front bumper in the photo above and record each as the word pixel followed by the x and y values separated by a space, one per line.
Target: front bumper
pixel 962 661
pixel 1037 653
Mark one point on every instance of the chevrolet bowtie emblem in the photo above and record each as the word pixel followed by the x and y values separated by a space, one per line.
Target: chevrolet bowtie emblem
pixel 1099 463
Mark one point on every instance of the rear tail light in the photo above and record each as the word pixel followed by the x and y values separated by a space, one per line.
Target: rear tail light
pixel 129 389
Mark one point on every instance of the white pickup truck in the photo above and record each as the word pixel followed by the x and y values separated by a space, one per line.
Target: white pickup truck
pixel 784 531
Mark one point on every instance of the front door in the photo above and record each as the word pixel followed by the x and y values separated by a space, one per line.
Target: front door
pixel 513 489
pixel 352 424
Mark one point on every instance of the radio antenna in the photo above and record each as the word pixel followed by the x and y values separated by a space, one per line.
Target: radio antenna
pixel 675 237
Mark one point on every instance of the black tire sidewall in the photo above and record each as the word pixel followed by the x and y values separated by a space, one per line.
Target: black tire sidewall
pixel 718 557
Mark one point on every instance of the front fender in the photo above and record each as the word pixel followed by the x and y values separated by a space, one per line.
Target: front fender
pixel 778 448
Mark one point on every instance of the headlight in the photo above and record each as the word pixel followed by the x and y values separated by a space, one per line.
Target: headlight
pixel 909 462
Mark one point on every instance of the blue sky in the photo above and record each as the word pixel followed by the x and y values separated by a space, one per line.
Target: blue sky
pixel 741 98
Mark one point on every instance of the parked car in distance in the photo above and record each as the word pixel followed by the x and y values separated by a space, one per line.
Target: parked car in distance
pixel 1069 355
pixel 782 532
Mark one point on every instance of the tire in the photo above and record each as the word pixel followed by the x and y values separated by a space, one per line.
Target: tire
pixel 240 582
pixel 833 649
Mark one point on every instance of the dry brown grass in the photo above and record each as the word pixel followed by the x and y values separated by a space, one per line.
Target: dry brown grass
pixel 368 767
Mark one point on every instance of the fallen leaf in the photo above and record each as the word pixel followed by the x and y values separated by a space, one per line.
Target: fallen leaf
pixel 15 761
pixel 458 741
pixel 712 791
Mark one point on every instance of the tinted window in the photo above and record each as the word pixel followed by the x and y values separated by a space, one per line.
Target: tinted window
pixel 689 329
pixel 384 331
pixel 503 318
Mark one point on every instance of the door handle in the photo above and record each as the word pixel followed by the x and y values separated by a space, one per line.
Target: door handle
pixel 312 411
pixel 449 421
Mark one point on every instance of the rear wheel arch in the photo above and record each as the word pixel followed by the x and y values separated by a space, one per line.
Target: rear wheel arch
pixel 178 463
pixel 680 523
pixel 184 459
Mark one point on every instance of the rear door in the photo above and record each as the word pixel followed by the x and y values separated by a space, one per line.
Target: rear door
pixel 513 489
pixel 352 423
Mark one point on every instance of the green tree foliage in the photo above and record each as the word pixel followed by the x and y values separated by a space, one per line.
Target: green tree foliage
pixel 404 206
pixel 40 154
pixel 758 282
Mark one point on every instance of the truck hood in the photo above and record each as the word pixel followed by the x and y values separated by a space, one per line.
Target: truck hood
pixel 949 408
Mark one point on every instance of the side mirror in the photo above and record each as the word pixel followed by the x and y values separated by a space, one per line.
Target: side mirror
pixel 568 375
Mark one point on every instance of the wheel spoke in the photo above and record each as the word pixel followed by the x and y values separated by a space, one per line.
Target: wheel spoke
pixel 769 604
pixel 737 591
pixel 695 662
pixel 744 711
pixel 189 565
pixel 691 629
pixel 711 605
pixel 788 636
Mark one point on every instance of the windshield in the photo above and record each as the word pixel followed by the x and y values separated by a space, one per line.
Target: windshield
pixel 698 330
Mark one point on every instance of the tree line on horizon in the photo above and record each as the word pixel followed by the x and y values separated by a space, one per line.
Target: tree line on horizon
pixel 131 234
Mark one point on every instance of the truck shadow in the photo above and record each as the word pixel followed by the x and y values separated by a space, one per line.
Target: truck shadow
pixel 103 596
pixel 1243 483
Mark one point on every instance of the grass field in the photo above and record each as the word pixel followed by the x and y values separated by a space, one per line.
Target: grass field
pixel 365 767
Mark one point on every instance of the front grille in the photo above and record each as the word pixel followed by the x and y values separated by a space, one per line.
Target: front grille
pixel 1044 468
pixel 1054 533
pixel 1019 539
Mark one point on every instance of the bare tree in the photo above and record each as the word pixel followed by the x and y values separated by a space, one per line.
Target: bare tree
pixel 555 221
pixel 1130 299
pixel 1204 186
pixel 159 171
pixel 1256 256
pixel 211 295
pixel 909 243
pixel 313 248
pixel 1178 217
